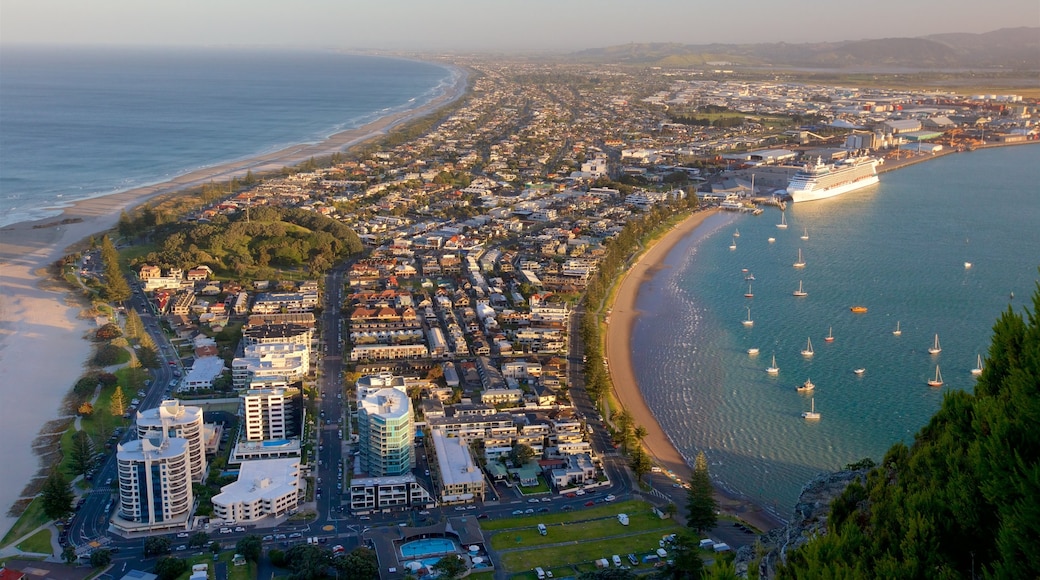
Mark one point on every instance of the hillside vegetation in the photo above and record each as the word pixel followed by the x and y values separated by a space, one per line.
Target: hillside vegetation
pixel 270 238
pixel 963 501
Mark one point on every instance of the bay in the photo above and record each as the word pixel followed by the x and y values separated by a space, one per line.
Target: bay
pixel 83 122
pixel 899 248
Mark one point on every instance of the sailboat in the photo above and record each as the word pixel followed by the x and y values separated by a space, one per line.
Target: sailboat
pixel 935 348
pixel 736 234
pixel 749 294
pixel 800 263
pixel 799 292
pixel 830 334
pixel 805 234
pixel 937 381
pixel 783 221
pixel 772 368
pixel 733 245
pixel 897 332
pixel 749 322
pixel 808 351
pixel 978 367
pixel 805 387
pixel 812 414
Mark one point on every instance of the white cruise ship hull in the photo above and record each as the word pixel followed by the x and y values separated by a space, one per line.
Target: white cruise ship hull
pixel 798 195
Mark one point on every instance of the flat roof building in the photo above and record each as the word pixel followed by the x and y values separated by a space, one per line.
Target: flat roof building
pixel 265 488
pixel 460 478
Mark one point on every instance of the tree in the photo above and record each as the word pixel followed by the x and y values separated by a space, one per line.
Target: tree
pixel 100 558
pixel 277 558
pixel 85 409
pixel 640 463
pixel 686 560
pixel 170 568
pixel 359 564
pixel 68 554
pixel 520 454
pixel 117 404
pixel 81 452
pixel 450 567
pixel 214 547
pixel 109 331
pixel 308 561
pixel 198 540
pixel 156 545
pixel 56 496
pixel 148 357
pixel 607 574
pixel 250 547
pixel 700 497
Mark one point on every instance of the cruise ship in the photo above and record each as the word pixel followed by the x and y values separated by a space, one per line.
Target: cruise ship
pixel 821 180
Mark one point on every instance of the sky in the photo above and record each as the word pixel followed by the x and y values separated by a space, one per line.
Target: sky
pixel 492 25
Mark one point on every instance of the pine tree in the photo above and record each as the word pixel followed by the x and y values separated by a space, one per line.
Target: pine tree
pixel 700 498
pixel 56 496
pixel 81 453
pixel 117 404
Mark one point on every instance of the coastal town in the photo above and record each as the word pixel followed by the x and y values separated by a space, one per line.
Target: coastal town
pixel 411 374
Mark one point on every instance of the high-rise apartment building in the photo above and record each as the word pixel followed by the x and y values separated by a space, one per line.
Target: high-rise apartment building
pixel 271 412
pixel 154 484
pixel 171 419
pixel 385 427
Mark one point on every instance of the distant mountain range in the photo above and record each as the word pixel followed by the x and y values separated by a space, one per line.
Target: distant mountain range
pixel 1007 48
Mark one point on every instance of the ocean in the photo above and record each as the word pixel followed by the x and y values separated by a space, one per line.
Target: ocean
pixel 938 247
pixel 84 122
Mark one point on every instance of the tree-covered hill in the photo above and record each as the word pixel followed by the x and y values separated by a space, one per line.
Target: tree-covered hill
pixel 963 501
pixel 269 238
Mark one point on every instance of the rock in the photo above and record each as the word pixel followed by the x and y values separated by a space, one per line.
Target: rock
pixel 808 520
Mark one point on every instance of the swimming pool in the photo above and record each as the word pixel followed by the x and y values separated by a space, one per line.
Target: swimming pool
pixel 428 547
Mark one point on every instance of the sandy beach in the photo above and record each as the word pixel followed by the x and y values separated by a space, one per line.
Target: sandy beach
pixel 626 389
pixel 42 346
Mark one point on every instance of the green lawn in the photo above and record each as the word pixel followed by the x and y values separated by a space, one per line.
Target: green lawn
pixel 247 572
pixel 600 510
pixel 641 521
pixel 577 538
pixel 29 521
pixel 583 550
pixel 39 543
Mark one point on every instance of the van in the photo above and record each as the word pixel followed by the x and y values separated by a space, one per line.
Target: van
pixel 542 530
pixel 540 573
pixel 661 553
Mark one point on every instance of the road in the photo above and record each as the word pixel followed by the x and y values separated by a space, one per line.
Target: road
pixel 334 522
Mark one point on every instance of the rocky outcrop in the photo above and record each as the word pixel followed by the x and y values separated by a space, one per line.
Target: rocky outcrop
pixel 808 521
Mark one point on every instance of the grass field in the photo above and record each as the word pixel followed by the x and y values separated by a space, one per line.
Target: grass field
pixel 247 572
pixel 39 543
pixel 29 521
pixel 576 539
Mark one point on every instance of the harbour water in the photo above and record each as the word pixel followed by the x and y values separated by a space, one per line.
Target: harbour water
pixel 900 249
pixel 84 122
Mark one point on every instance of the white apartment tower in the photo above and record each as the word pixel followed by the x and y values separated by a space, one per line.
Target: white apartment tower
pixel 171 419
pixel 154 482
pixel 270 413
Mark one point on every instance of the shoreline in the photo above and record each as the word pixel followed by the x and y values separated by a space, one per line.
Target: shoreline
pixel 39 319
pixel 618 350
